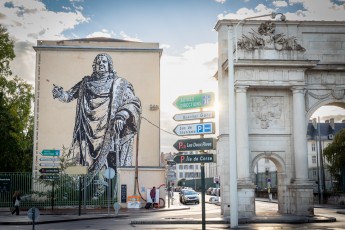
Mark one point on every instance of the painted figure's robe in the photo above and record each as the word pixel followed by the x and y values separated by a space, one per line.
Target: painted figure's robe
pixel 100 102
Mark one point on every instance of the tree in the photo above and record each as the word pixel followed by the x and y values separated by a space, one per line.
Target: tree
pixel 16 125
pixel 6 52
pixel 335 155
pixel 16 119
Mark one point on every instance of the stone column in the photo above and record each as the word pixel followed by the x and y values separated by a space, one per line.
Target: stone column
pixel 243 168
pixel 245 187
pixel 300 134
pixel 301 190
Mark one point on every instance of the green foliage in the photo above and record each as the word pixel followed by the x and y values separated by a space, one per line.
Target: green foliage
pixel 16 125
pixel 16 119
pixel 6 52
pixel 335 155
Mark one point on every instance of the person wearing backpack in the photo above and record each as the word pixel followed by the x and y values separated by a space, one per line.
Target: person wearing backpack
pixel 16 202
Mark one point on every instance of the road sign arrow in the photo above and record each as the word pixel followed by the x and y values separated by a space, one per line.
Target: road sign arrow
pixel 194 116
pixel 194 101
pixel 195 129
pixel 49 170
pixel 194 158
pixel 50 152
pixel 195 144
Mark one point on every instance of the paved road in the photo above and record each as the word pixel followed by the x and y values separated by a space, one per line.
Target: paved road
pixel 188 213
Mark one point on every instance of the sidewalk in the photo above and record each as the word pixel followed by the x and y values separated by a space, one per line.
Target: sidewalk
pixel 64 215
pixel 72 214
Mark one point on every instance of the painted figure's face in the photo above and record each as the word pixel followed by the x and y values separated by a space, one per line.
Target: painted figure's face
pixel 102 65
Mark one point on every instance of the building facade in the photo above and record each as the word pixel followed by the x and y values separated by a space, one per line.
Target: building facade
pixel 89 103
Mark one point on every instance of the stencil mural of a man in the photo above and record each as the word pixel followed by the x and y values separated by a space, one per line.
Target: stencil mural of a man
pixel 107 117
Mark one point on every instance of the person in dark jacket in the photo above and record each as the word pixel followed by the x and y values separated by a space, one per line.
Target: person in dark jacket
pixel 153 195
pixel 16 202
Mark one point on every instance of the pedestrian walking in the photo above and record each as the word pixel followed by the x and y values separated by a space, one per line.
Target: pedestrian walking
pixel 16 202
pixel 153 196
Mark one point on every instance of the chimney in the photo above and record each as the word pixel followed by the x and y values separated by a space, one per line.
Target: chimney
pixel 332 123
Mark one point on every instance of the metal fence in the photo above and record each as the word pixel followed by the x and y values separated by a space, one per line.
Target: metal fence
pixel 63 190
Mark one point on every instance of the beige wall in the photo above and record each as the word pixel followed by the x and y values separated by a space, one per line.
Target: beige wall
pixel 65 63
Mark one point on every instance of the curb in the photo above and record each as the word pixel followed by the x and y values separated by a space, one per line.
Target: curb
pixel 294 220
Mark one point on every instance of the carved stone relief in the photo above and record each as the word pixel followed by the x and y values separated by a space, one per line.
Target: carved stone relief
pixel 313 96
pixel 265 37
pixel 267 109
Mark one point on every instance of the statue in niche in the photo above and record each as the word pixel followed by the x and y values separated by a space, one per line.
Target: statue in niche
pixel 266 109
pixel 266 38
pixel 107 119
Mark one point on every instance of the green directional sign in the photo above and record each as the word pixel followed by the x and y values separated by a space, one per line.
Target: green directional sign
pixel 194 158
pixel 50 152
pixel 194 101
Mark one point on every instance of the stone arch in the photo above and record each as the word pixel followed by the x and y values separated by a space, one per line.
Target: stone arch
pixel 282 177
pixel 274 157
pixel 321 103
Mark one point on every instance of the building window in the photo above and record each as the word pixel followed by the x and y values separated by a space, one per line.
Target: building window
pixel 181 174
pixel 196 167
pixel 180 167
pixel 186 167
pixel 313 147
pixel 191 166
pixel 313 159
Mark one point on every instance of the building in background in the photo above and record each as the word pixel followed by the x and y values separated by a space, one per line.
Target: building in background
pixel 66 63
pixel 319 136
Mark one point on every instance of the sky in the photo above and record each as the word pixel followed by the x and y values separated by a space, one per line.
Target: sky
pixel 183 28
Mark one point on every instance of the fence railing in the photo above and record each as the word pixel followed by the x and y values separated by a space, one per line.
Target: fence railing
pixel 63 190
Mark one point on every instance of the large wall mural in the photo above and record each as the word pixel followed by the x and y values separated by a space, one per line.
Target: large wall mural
pixel 107 117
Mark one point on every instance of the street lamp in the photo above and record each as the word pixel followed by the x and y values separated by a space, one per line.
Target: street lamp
pixel 232 117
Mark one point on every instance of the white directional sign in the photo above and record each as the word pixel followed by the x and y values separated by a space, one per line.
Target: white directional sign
pixel 195 129
pixel 50 164
pixel 49 159
pixel 194 116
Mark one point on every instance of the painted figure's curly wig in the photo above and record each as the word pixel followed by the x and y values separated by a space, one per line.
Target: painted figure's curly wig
pixel 110 62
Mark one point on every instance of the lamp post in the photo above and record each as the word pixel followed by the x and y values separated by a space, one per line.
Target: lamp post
pixel 232 117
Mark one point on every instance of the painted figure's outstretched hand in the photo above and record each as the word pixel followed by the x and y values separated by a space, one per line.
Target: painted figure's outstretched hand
pixel 119 123
pixel 57 91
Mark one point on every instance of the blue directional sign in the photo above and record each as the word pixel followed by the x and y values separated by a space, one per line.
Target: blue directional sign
pixel 195 129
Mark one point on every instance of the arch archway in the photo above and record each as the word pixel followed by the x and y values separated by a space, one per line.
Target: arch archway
pixel 276 92
pixel 282 182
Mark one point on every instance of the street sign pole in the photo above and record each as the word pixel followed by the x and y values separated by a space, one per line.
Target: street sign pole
pixel 202 168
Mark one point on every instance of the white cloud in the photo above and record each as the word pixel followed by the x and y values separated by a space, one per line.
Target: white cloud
pixel 129 38
pixel 164 46
pixel 280 3
pixel 320 10
pixel 103 33
pixel 220 1
pixel 312 10
pixel 186 74
pixel 28 21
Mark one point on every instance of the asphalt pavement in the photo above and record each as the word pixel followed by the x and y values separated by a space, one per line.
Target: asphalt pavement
pixel 72 214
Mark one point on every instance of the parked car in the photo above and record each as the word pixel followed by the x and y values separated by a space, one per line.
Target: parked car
pixel 182 190
pixel 189 196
